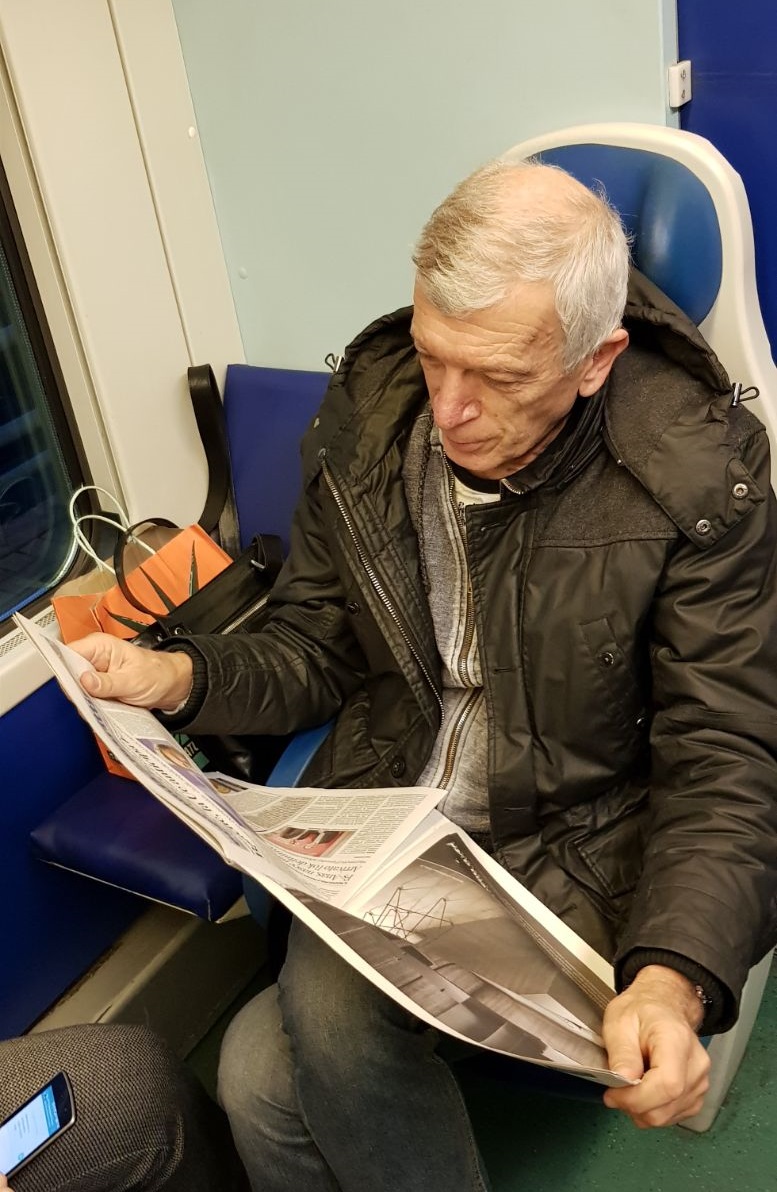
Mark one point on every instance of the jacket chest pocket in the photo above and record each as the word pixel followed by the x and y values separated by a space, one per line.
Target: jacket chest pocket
pixel 613 686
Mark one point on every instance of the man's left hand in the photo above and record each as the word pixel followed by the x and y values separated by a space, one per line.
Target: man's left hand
pixel 650 1035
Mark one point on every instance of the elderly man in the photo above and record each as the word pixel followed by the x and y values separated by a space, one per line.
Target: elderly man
pixel 534 564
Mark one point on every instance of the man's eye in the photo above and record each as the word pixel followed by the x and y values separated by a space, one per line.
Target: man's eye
pixel 503 382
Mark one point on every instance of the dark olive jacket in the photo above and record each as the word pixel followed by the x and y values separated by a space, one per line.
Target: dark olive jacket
pixel 627 620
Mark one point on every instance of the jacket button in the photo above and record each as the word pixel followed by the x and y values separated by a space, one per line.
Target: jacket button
pixel 353 608
pixel 703 526
pixel 397 767
pixel 740 491
pixel 607 658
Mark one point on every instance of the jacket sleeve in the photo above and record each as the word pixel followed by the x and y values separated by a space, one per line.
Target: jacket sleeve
pixel 299 669
pixel 708 889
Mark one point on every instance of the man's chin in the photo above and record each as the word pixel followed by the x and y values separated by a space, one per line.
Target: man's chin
pixel 480 462
pixel 472 456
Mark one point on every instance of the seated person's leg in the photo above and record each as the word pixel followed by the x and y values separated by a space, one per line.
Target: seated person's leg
pixel 143 1122
pixel 351 1096
pixel 256 1087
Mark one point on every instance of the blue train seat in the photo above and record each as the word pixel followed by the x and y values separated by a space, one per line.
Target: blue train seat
pixel 111 829
pixel 53 926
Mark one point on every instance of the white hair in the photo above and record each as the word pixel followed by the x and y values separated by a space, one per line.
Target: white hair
pixel 477 245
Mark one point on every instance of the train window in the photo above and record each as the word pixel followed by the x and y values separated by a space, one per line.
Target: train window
pixel 38 458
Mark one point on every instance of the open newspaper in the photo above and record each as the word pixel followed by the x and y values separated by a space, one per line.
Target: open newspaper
pixel 393 886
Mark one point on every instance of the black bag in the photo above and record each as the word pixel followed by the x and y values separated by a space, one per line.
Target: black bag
pixel 235 600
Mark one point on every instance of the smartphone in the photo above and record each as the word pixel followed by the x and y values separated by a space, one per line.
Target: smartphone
pixel 31 1128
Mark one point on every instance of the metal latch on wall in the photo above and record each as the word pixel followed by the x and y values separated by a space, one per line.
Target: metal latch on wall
pixel 679 83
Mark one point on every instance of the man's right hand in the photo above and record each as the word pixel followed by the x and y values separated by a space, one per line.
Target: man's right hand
pixel 144 678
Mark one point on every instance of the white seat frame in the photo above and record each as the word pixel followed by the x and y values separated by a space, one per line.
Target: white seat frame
pixel 734 328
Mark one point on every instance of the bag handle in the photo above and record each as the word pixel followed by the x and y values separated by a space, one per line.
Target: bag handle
pixel 219 509
pixel 117 521
pixel 127 535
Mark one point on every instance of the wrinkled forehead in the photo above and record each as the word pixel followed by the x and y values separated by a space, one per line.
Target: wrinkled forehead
pixel 524 325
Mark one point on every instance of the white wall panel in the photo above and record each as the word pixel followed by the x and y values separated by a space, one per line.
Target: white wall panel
pixel 99 143
pixel 164 115
pixel 76 94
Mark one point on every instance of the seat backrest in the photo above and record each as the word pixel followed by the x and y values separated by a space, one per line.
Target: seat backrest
pixel 267 411
pixel 687 212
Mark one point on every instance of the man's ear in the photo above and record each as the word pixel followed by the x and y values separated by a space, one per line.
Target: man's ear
pixel 596 368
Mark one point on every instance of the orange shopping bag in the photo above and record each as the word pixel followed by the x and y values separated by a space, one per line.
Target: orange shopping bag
pixel 124 604
pixel 167 577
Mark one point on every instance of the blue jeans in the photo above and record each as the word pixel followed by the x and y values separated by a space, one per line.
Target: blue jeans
pixel 330 1086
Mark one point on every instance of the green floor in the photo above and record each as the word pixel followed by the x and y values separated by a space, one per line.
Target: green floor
pixel 535 1143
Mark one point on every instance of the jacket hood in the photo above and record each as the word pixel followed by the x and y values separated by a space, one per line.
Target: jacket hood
pixel 667 412
pixel 652 317
pixel 357 416
pixel 669 419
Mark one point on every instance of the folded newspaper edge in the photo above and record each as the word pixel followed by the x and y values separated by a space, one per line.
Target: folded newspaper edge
pixel 396 889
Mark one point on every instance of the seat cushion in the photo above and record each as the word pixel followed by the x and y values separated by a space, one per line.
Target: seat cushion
pixel 115 831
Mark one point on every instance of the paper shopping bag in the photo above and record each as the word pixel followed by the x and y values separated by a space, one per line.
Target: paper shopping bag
pixel 138 596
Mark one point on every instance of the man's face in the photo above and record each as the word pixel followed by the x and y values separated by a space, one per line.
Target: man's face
pixel 497 386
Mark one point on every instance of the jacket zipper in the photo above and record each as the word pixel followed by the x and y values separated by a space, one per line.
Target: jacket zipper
pixel 377 585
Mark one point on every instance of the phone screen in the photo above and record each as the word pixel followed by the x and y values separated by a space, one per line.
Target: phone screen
pixel 35 1123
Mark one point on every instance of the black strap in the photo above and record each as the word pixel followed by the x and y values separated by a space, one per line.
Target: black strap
pixel 118 560
pixel 211 423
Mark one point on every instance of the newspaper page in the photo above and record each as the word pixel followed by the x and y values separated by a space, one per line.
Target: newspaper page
pixel 512 1003
pixel 468 943
pixel 390 884
pixel 324 842
pixel 331 838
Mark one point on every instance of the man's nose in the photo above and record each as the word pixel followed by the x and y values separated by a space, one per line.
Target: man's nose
pixel 453 400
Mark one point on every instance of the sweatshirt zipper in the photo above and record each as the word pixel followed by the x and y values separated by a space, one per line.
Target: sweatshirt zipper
pixel 377 585
pixel 453 743
pixel 462 662
pixel 462 665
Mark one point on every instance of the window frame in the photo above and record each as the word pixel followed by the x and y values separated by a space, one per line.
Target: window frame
pixel 52 382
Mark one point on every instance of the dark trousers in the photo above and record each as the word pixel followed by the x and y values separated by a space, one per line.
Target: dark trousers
pixel 143 1122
